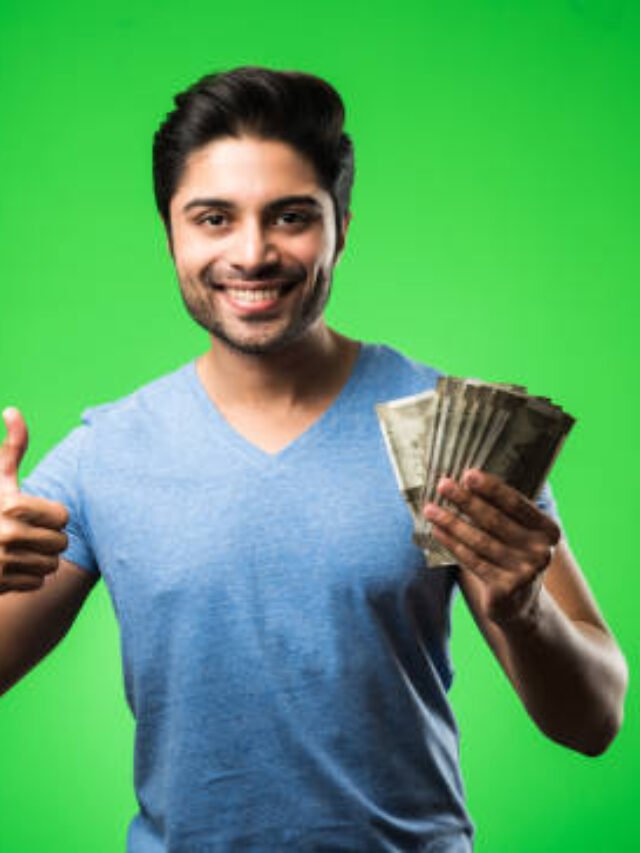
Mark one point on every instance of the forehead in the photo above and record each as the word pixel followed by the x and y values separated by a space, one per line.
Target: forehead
pixel 249 170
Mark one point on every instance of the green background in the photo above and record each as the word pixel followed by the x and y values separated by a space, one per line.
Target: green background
pixel 495 235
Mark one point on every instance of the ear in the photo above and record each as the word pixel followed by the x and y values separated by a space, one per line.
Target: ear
pixel 342 237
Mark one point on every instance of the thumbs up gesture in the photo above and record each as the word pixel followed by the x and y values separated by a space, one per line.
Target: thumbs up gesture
pixel 31 528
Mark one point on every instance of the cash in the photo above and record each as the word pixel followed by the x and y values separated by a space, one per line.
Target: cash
pixel 466 423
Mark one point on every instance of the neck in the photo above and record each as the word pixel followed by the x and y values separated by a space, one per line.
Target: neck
pixel 287 378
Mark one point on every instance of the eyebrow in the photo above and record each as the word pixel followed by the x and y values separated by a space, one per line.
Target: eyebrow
pixel 226 204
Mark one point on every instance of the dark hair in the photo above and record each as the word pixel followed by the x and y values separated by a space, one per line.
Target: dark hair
pixel 291 106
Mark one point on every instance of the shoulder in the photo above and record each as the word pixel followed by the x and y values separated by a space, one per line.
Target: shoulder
pixel 161 396
pixel 136 425
pixel 400 373
pixel 109 437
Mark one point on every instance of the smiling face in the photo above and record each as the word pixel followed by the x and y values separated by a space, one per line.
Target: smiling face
pixel 253 237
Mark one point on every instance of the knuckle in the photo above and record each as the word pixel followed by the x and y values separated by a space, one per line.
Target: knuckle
pixel 532 512
pixel 523 567
pixel 528 512
pixel 472 559
pixel 51 565
pixel 467 558
pixel 498 487
pixel 476 539
pixel 62 513
pixel 485 543
pixel 482 567
pixel 500 554
pixel 8 531
pixel 515 505
pixel 554 532
pixel 487 546
pixel 9 503
pixel 539 550
pixel 496 519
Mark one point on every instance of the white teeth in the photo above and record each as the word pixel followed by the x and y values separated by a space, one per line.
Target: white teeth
pixel 254 295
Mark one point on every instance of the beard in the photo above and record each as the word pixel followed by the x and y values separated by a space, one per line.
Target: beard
pixel 198 297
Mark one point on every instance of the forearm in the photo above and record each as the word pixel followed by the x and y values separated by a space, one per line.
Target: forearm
pixel 33 623
pixel 571 676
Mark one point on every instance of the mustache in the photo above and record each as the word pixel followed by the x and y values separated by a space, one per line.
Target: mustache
pixel 283 275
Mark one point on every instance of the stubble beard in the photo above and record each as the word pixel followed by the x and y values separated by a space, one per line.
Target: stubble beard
pixel 196 295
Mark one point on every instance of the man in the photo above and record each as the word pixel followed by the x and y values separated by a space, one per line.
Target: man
pixel 285 648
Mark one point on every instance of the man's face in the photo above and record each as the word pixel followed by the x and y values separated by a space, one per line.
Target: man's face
pixel 253 238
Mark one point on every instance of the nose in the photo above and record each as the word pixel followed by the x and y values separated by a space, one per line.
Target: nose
pixel 251 248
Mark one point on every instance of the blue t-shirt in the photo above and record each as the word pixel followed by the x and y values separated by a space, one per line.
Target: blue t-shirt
pixel 285 648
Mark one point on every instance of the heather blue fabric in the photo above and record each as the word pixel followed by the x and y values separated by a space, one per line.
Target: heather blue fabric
pixel 285 649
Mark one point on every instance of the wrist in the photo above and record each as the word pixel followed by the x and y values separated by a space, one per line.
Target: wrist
pixel 525 617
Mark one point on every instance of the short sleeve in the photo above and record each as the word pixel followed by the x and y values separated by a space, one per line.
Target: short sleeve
pixel 547 503
pixel 57 477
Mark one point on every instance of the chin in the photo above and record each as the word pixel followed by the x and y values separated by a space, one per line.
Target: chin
pixel 257 346
pixel 294 329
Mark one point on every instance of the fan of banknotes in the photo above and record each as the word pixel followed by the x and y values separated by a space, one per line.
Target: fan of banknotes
pixel 466 423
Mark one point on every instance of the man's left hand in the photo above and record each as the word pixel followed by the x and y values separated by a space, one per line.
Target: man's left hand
pixel 501 536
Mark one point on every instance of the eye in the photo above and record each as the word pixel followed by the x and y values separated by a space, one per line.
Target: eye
pixel 294 217
pixel 213 219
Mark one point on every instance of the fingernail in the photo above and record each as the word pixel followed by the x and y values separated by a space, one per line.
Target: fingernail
pixel 432 511
pixel 446 486
pixel 472 478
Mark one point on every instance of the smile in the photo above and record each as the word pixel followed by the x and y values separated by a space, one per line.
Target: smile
pixel 254 298
pixel 255 294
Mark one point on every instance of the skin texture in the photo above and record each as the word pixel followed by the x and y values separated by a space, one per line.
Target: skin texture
pixel 532 604
pixel 509 545
pixel 271 373
pixel 272 370
pixel 251 245
pixel 31 528
pixel 40 594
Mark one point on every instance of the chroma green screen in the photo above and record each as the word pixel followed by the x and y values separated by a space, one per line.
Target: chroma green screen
pixel 495 235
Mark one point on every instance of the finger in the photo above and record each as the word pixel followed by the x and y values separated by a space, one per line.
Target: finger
pixel 21 583
pixel 30 563
pixel 511 501
pixel 487 516
pixel 475 540
pixel 19 536
pixel 466 557
pixel 41 512
pixel 12 449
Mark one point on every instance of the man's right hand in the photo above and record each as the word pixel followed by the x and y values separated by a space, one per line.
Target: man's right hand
pixel 31 528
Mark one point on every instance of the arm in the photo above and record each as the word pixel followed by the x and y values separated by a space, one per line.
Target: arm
pixel 40 595
pixel 533 606
pixel 33 622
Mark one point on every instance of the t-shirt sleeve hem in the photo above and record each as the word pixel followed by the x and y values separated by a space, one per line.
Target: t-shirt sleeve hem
pixel 78 554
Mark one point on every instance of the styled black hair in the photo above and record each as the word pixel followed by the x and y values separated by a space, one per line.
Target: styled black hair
pixel 290 106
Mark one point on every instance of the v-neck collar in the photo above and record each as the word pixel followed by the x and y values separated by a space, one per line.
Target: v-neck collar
pixel 222 429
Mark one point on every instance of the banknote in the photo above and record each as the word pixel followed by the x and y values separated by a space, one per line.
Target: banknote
pixel 467 423
pixel 405 425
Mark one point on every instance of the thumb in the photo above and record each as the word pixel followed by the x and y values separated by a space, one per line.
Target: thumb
pixel 12 449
